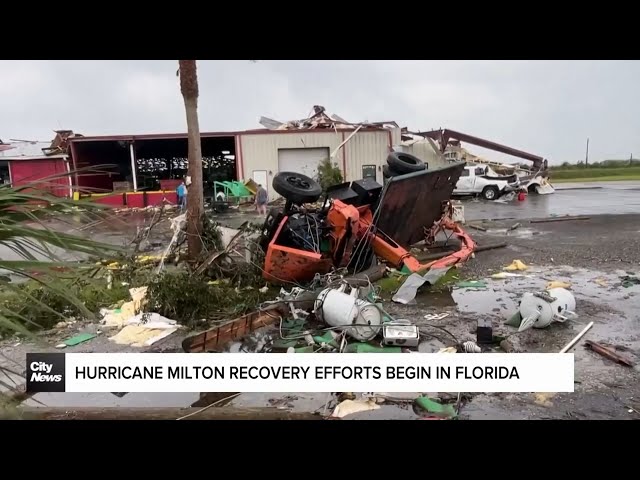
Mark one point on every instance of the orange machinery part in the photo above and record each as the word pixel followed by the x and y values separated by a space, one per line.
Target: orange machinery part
pixel 349 224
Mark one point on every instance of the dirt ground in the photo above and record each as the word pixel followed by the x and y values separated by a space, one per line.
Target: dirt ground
pixel 590 254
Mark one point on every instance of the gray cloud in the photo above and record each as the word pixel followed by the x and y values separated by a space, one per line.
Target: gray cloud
pixel 545 107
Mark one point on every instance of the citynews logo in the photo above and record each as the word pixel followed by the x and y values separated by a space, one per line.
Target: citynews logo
pixel 45 372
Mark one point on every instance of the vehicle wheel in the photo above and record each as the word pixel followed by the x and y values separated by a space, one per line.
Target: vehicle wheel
pixel 274 217
pixel 490 193
pixel 388 172
pixel 296 187
pixel 405 163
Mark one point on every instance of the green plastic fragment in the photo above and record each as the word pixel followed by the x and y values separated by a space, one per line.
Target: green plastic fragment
pixel 307 349
pixel 432 406
pixel 80 338
pixel 471 284
pixel 367 348
pixel 326 338
pixel 405 270
pixel 284 344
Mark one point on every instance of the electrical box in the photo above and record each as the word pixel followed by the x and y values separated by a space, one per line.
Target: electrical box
pixel 401 334
pixel 344 193
pixel 368 191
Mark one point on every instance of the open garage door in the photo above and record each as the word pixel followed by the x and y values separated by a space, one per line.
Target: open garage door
pixel 301 160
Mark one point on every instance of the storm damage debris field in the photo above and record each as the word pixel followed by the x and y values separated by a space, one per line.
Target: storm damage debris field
pixel 596 259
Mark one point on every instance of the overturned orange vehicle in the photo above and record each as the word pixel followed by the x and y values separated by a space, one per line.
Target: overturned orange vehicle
pixel 358 223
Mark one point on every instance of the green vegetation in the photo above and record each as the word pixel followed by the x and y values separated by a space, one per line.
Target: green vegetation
pixel 329 174
pixel 24 212
pixel 595 174
pixel 605 171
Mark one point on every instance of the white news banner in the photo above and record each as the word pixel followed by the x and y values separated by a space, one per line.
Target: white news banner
pixel 322 372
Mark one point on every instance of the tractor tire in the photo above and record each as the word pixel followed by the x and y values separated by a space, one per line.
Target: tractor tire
pixel 490 193
pixel 404 163
pixel 296 187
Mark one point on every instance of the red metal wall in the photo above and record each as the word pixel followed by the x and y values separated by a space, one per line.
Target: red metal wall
pixel 27 171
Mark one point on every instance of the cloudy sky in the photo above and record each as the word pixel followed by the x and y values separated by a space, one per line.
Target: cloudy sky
pixel 545 107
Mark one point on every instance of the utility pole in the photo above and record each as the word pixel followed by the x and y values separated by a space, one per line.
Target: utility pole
pixel 586 157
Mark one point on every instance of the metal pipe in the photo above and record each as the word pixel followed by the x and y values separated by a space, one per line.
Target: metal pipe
pixel 577 338
pixel 133 167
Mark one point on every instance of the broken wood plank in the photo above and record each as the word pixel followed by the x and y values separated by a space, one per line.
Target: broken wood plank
pixel 162 413
pixel 608 353
pixel 216 338
pixel 436 256
pixel 477 227
pixel 558 219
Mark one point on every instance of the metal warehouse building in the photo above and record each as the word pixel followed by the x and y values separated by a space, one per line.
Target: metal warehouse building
pixel 149 166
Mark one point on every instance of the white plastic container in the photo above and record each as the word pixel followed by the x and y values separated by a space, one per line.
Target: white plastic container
pixel 361 320
pixel 553 305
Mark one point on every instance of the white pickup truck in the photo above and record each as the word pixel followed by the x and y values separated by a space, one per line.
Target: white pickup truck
pixel 482 180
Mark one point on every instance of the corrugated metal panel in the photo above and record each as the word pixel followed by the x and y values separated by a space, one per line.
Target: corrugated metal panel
pixel 366 148
pixel 25 172
pixel 396 136
pixel 29 149
pixel 425 152
pixel 260 152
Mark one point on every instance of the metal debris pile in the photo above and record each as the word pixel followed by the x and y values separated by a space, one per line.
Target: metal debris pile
pixel 320 119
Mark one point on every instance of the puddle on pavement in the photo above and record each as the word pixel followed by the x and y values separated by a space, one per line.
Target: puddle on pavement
pixel 518 232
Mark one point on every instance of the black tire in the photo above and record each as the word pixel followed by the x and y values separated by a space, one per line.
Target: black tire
pixel 296 187
pixel 405 163
pixel 490 193
pixel 388 172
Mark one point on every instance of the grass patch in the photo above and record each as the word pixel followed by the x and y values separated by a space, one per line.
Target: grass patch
pixel 616 178
pixel 596 174
pixel 37 307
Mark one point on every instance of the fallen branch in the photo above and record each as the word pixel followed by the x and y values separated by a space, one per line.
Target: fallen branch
pixel 608 353
pixel 215 255
pixel 141 413
pixel 558 219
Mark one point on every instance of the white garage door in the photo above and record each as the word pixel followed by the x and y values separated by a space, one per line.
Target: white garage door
pixel 301 160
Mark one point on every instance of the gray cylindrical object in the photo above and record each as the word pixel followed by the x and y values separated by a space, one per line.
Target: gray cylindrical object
pixel 361 320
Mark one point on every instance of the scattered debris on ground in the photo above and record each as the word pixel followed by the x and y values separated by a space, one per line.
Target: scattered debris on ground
pixel 608 353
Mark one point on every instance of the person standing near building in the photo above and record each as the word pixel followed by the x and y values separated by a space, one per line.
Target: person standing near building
pixel 261 200
pixel 182 196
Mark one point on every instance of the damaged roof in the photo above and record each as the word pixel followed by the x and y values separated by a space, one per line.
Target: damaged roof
pixel 320 119
pixel 34 148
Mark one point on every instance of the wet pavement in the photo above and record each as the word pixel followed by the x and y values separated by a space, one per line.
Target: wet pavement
pixel 568 199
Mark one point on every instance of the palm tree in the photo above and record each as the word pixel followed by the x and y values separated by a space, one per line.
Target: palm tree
pixel 195 198
pixel 24 211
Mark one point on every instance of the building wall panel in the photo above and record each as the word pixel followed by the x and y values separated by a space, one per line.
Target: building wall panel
pixel 27 171
pixel 366 148
pixel 260 152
